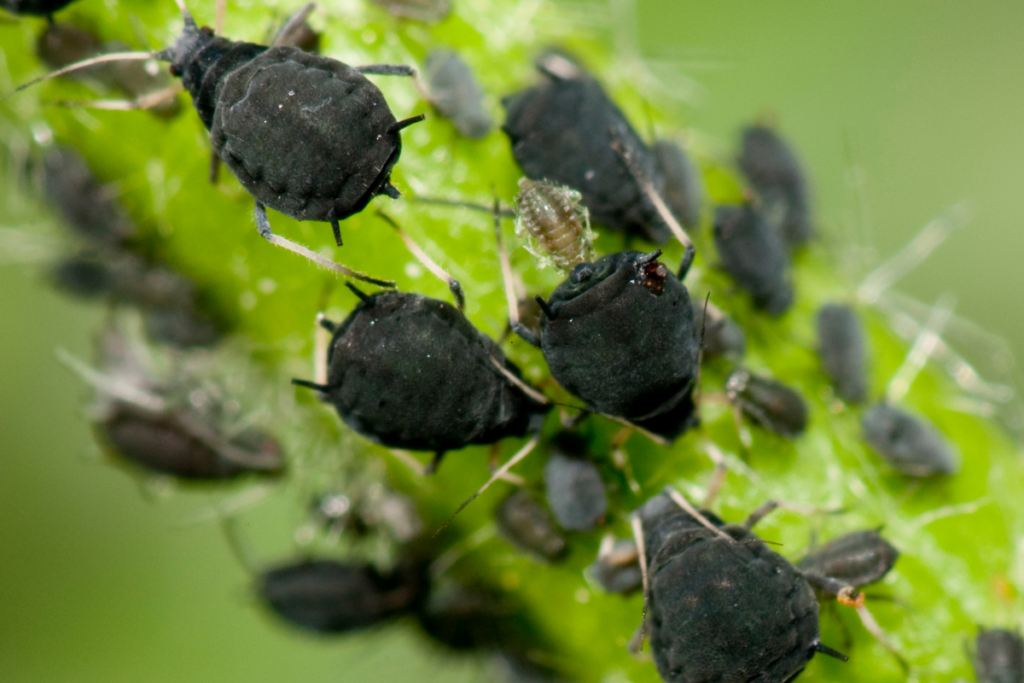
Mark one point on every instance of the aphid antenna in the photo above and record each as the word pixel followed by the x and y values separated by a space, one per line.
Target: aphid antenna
pixel 430 264
pixel 914 253
pixel 523 386
pixel 154 99
pixel 85 64
pixel 109 386
pixel 638 537
pixel 923 348
pixel 688 508
pixel 498 474
pixel 263 225
pixel 659 204
pixel 456 203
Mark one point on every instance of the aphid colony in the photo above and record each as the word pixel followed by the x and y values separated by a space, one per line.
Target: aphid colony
pixel 622 335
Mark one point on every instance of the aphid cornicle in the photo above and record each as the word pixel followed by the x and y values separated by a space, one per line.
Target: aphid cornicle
pixel 526 525
pixel 754 256
pixel 568 131
pixel 326 596
pixel 775 173
pixel 908 443
pixel 455 93
pixel 409 371
pixel 772 404
pixel 999 656
pixel 306 135
pixel 843 351
pixel 619 333
pixel 575 492
pixel 723 606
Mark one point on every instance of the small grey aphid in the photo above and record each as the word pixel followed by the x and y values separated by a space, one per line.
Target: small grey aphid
pixel 527 526
pixel 775 173
pixel 575 492
pixel 617 567
pixel 427 11
pixel 555 224
pixel 326 596
pixel 910 444
pixel 858 558
pixel 754 256
pixel 772 404
pixel 843 351
pixel 683 188
pixel 454 91
pixel 999 656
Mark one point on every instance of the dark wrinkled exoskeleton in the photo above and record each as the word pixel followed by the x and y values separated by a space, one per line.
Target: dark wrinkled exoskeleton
pixel 684 186
pixel 999 656
pixel 88 206
pixel 754 256
pixel 181 446
pixel 427 11
pixel 331 597
pixel 39 8
pixel 722 336
pixel 723 609
pixel 617 567
pixel 843 351
pixel 306 135
pixel 575 492
pixel 858 558
pixel 909 444
pixel 528 527
pixel 408 371
pixel 619 333
pixel 772 404
pixel 776 174
pixel 456 94
pixel 567 131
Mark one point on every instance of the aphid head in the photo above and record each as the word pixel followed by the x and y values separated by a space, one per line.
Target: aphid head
pixel 609 274
pixel 188 42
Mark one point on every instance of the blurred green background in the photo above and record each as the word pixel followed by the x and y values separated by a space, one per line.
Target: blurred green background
pixel 99 584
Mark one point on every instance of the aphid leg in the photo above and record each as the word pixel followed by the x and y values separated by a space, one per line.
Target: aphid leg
pixel 921 351
pixel 880 635
pixel 493 458
pixel 718 475
pixel 621 458
pixel 386 69
pixel 914 253
pixel 524 333
pixel 332 216
pixel 513 461
pixel 523 386
pixel 85 64
pixel 638 536
pixel 429 263
pixel 769 506
pixel 679 500
pixel 220 11
pixel 263 225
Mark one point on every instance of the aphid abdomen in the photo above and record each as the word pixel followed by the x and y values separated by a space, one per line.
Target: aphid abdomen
pixel 858 558
pixel 553 218
pixel 754 256
pixel 305 135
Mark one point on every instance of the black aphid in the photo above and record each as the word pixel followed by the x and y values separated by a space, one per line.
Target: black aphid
pixel 776 174
pixel 619 333
pixel 88 207
pixel 527 526
pixel 683 188
pixel 554 223
pixel 754 256
pixel 617 567
pixel 575 492
pixel 999 656
pixel 843 351
pixel 333 597
pixel 39 8
pixel 723 337
pixel 858 558
pixel 772 404
pixel 910 444
pixel 567 131
pixel 427 11
pixel 455 93
pixel 722 606
pixel 412 372
pixel 180 445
